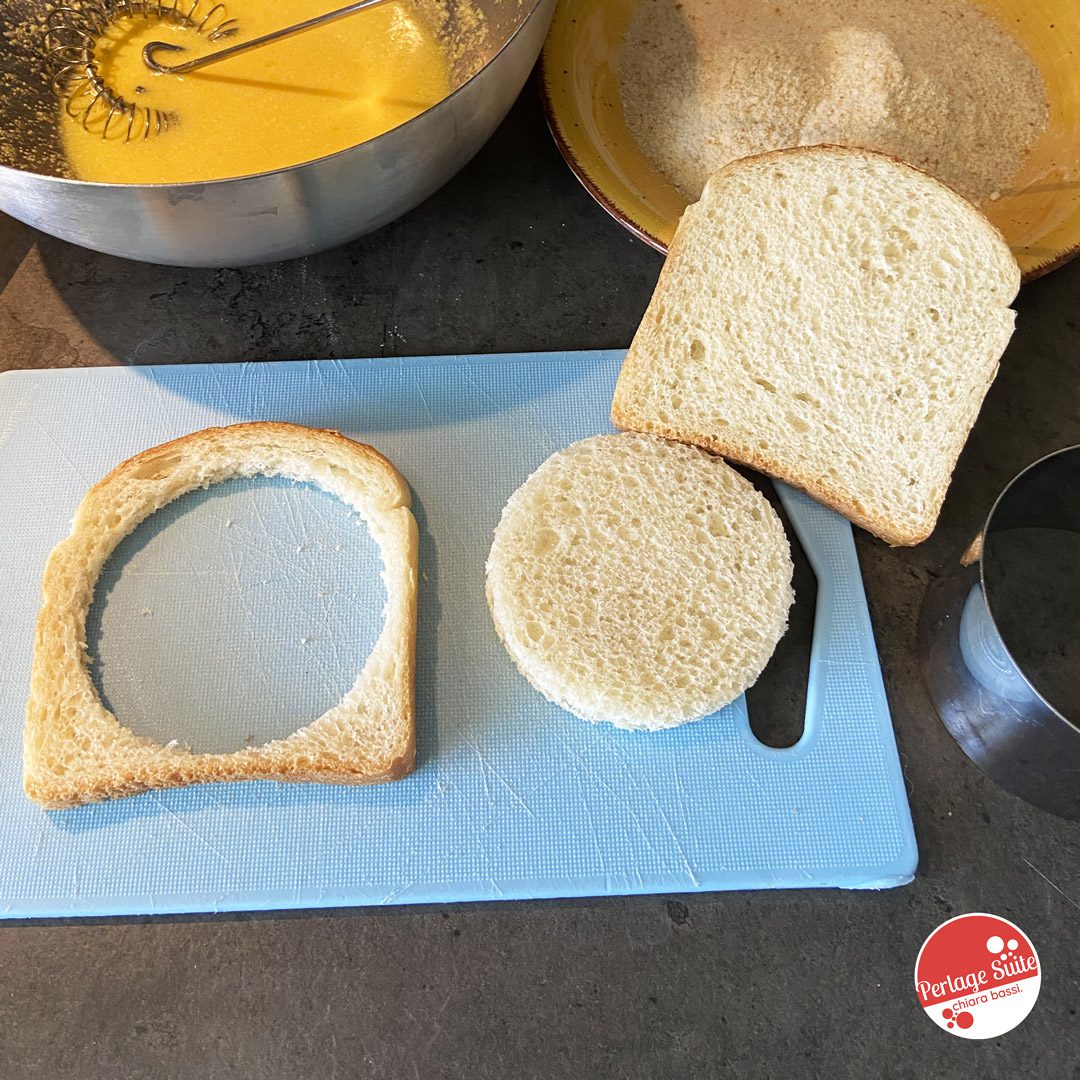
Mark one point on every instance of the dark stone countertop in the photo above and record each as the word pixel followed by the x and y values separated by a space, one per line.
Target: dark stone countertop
pixel 513 255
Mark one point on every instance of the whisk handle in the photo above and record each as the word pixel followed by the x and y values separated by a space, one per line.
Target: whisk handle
pixel 246 46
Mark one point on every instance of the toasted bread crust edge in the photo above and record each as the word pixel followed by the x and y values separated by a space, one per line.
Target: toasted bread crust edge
pixel 58 796
pixel 177 767
pixel 832 497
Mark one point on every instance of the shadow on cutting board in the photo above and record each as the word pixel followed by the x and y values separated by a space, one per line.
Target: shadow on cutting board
pixel 367 397
pixel 776 703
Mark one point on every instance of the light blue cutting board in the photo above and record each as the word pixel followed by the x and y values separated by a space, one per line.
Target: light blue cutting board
pixel 243 611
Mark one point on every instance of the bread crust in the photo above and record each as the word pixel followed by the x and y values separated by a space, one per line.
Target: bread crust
pixel 820 490
pixel 76 751
pixel 894 532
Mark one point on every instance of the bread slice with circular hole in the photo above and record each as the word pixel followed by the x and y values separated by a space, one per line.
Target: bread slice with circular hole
pixel 639 581
pixel 76 751
pixel 834 318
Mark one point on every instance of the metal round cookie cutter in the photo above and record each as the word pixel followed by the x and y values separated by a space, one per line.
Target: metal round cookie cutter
pixel 999 638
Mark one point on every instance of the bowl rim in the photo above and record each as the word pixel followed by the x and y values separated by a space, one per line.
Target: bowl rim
pixel 587 182
pixel 285 169
pixel 624 218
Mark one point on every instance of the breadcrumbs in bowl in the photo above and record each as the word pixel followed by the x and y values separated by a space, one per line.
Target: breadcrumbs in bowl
pixel 648 97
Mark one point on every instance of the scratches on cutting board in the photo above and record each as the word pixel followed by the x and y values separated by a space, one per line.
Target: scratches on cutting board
pixel 479 389
pixel 546 439
pixel 486 767
pixel 135 572
pixel 395 892
pixel 675 838
pixel 257 550
pixel 181 823
pixel 222 389
pixel 14 418
pixel 329 681
pixel 254 502
pixel 256 639
pixel 642 780
pixel 424 401
pixel 324 377
pixel 327 602
pixel 599 781
pixel 39 840
pixel 62 453
pixel 591 819
pixel 160 400
pixel 680 792
pixel 296 518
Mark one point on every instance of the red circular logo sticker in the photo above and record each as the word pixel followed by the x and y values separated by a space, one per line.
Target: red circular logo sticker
pixel 977 976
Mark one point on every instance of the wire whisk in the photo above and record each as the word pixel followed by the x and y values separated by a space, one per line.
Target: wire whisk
pixel 71 37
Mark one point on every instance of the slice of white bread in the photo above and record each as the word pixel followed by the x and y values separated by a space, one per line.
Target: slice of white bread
pixel 76 751
pixel 639 581
pixel 832 317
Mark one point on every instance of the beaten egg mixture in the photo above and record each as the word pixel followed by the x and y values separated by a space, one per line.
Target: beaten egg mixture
pixel 292 101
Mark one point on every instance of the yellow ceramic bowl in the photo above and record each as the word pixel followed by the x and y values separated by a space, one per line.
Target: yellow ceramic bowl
pixel 1039 216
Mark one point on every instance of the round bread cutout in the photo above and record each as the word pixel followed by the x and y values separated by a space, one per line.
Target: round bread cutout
pixel 639 581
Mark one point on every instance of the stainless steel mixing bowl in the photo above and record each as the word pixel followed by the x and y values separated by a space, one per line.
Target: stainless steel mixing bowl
pixel 268 216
